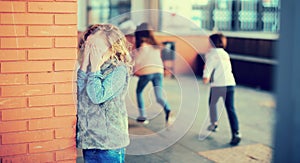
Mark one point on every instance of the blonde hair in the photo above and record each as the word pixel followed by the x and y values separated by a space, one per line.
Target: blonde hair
pixel 118 45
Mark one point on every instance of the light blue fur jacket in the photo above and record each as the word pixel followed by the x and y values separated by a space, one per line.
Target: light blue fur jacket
pixel 102 120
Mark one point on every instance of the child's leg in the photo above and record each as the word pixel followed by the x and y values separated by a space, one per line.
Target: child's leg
pixel 229 103
pixel 142 82
pixel 213 99
pixel 158 89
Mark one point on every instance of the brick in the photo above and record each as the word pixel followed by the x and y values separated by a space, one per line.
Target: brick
pixel 27 90
pixel 28 113
pixel 26 42
pixel 13 126
pixel 66 154
pixel 29 66
pixel 65 133
pixel 53 77
pixel 51 100
pixel 57 144
pixel 65 88
pixel 6 103
pixel 12 79
pixel 11 6
pixel 65 110
pixel 52 30
pixel 47 54
pixel 26 137
pixel 12 30
pixel 66 161
pixel 8 150
pixel 66 42
pixel 12 55
pixel 68 0
pixel 52 7
pixel 31 18
pixel 41 157
pixel 43 0
pixel 65 19
pixel 65 65
pixel 52 123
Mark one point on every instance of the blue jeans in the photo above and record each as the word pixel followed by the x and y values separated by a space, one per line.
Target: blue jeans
pixel 104 156
pixel 157 80
pixel 227 93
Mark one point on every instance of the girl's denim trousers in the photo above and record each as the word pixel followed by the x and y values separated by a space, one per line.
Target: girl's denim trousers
pixel 157 82
pixel 104 156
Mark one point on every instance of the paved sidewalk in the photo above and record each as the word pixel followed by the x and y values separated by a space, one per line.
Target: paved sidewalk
pixel 180 142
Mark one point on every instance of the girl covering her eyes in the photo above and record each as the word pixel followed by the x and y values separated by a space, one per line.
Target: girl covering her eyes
pixel 102 80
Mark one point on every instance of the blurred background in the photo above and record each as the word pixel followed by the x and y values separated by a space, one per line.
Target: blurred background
pixel 251 26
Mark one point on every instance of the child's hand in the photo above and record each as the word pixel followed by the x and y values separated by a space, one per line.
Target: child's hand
pixel 205 80
pixel 97 46
pixel 96 58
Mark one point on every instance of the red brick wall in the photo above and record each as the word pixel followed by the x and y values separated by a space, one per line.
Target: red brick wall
pixel 38 40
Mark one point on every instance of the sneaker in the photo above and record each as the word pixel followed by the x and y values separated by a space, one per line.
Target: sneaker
pixel 168 113
pixel 142 120
pixel 169 118
pixel 236 139
pixel 213 128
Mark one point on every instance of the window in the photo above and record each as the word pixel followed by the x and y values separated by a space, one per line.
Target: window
pixel 228 15
pixel 102 11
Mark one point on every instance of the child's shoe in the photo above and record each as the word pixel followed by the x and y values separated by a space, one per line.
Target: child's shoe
pixel 142 120
pixel 213 128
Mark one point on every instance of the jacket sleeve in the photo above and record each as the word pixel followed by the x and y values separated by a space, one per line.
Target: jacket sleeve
pixel 100 89
pixel 81 81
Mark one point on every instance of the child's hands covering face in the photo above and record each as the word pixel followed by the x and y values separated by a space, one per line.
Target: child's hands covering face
pixel 97 49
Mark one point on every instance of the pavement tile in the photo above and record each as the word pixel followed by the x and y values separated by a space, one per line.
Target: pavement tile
pixel 246 153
